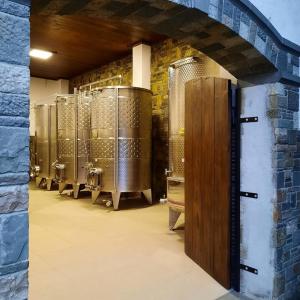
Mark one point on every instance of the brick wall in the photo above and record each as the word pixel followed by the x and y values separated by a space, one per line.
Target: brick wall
pixel 284 103
pixel 14 153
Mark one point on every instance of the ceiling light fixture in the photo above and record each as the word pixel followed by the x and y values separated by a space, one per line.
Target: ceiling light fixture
pixel 40 54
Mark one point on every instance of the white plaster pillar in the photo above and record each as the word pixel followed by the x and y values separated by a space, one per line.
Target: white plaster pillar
pixel 63 86
pixel 141 65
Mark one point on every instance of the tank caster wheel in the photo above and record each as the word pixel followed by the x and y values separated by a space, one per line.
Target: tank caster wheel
pixel 108 203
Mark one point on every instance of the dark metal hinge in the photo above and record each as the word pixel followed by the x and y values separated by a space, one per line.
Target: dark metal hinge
pixel 248 119
pixel 249 195
pixel 249 269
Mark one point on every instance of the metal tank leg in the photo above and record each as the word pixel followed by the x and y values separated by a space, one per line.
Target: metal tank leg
pixel 148 195
pixel 49 184
pixel 116 200
pixel 61 187
pixel 76 187
pixel 38 181
pixel 95 195
pixel 173 217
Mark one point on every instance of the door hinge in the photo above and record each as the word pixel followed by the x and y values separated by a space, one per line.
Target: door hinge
pixel 249 195
pixel 249 269
pixel 248 119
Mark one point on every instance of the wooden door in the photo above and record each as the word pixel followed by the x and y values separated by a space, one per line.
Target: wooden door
pixel 207 176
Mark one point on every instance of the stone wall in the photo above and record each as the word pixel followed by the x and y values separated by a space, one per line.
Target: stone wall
pixel 284 103
pixel 121 67
pixel 14 153
pixel 270 160
pixel 163 54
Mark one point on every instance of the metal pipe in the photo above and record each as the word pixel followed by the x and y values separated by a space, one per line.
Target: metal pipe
pixel 98 82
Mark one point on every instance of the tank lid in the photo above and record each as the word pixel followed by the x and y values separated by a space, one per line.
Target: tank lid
pixel 122 87
pixel 183 61
pixel 45 104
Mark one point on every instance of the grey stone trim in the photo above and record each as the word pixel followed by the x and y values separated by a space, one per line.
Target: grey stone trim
pixel 14 286
pixel 8 179
pixel 22 2
pixel 14 105
pixel 14 79
pixel 14 151
pixel 14 121
pixel 232 32
pixel 13 255
pixel 284 103
pixel 16 8
pixel 259 32
pixel 14 38
pixel 13 198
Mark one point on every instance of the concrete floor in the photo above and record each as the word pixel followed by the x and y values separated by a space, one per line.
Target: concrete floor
pixel 84 251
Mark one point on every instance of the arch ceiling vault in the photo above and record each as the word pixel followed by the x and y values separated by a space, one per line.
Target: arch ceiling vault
pixel 232 32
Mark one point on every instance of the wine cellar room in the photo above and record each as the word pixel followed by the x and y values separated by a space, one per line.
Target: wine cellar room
pixel 107 130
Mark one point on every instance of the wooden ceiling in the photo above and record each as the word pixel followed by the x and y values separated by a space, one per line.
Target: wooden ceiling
pixel 81 43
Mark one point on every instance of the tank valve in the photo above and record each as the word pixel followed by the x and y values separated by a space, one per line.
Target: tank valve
pixel 36 170
pixel 60 172
pixel 168 172
pixel 108 203
pixel 94 178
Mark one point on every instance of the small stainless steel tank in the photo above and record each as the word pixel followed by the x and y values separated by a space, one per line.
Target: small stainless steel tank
pixel 120 141
pixel 73 125
pixel 45 119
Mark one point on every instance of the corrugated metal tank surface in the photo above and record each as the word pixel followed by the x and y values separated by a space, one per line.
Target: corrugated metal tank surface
pixel 181 72
pixel 121 121
pixel 45 116
pixel 73 125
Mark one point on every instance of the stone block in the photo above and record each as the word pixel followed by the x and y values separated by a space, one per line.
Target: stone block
pixel 14 121
pixel 13 242
pixel 295 60
pixel 14 151
pixel 13 198
pixel 14 105
pixel 280 180
pixel 277 101
pixel 292 137
pixel 281 195
pixel 14 39
pixel 274 53
pixel 281 123
pixel 236 19
pixel 14 8
pixel 279 284
pixel 14 286
pixel 296 178
pixel 14 178
pixel 14 79
pixel 282 60
pixel 293 101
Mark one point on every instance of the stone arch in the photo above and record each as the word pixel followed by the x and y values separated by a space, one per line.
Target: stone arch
pixel 232 32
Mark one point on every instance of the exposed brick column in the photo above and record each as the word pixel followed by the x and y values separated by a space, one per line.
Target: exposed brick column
pixel 14 153
pixel 284 104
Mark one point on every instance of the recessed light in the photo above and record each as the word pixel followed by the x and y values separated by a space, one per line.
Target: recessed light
pixel 40 54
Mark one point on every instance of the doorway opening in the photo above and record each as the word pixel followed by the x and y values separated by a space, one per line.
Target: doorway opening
pixel 84 249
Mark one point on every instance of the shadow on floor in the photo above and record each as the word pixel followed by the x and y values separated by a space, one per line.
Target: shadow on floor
pixel 233 296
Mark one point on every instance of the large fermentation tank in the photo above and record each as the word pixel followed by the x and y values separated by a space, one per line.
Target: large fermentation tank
pixel 120 156
pixel 180 72
pixel 73 125
pixel 45 142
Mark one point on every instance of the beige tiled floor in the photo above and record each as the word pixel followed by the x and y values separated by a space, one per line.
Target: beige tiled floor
pixel 84 251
